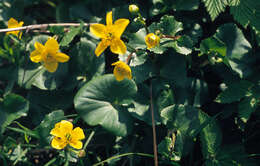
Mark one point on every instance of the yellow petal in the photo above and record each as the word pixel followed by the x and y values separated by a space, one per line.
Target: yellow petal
pixel 101 47
pixel 58 143
pixel 76 144
pixel 36 56
pixel 21 23
pixel 152 40
pixel 77 134
pixel 66 126
pixel 109 18
pixel 12 23
pixel 52 45
pixel 38 46
pixel 99 30
pixel 51 66
pixel 121 71
pixel 61 57
pixel 120 26
pixel 117 46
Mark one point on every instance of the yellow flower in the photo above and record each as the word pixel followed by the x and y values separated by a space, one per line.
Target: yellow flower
pixel 12 23
pixel 48 54
pixel 121 71
pixel 152 40
pixel 64 134
pixel 110 35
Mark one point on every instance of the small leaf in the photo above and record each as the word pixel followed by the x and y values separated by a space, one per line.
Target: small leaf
pixel 70 35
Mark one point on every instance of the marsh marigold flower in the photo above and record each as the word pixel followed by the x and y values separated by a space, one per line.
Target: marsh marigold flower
pixel 13 23
pixel 121 71
pixel 110 35
pixel 152 40
pixel 64 134
pixel 48 54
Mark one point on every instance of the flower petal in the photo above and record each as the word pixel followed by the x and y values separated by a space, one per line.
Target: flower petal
pixel 38 46
pixel 66 126
pixel 36 56
pixel 77 134
pixel 101 47
pixel 61 57
pixel 121 71
pixel 58 143
pixel 120 26
pixel 21 23
pixel 117 46
pixel 51 66
pixel 76 144
pixel 12 23
pixel 52 45
pixel 99 30
pixel 109 19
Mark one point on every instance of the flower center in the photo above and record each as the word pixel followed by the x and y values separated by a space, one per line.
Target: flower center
pixel 68 137
pixel 110 36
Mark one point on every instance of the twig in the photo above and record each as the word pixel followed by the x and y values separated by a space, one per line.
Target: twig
pixel 153 126
pixel 171 37
pixel 41 26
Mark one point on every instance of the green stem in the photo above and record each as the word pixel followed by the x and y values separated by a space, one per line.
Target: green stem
pixel 51 161
pixel 122 155
pixel 89 139
pixel 153 126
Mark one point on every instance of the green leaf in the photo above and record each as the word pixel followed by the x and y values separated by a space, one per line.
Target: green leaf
pixel 48 123
pixel 99 102
pixel 184 120
pixel 246 12
pixel 213 44
pixel 210 136
pixel 246 107
pixel 11 108
pixel 70 35
pixel 234 92
pixel 84 61
pixel 215 7
pixel 173 67
pixel 41 78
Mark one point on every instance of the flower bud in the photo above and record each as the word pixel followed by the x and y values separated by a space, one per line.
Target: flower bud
pixel 82 153
pixel 133 9
pixel 152 40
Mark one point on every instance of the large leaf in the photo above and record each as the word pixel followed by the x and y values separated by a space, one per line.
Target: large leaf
pixel 11 108
pixel 234 92
pixel 210 136
pixel 184 120
pixel 173 67
pixel 246 12
pixel 215 7
pixel 99 103
pixel 246 107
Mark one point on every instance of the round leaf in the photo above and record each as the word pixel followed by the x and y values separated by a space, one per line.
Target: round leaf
pixel 98 102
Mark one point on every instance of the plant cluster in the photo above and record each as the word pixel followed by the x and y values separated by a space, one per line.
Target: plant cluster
pixel 162 82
